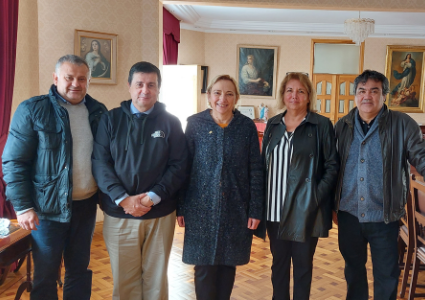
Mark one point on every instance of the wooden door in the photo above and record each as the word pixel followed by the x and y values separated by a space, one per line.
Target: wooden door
pixel 325 86
pixel 344 95
pixel 335 95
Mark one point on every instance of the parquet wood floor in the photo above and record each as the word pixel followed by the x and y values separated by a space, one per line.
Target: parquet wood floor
pixel 252 280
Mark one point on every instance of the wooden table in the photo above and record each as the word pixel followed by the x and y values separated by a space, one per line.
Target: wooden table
pixel 16 247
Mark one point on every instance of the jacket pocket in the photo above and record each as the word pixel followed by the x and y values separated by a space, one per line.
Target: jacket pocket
pixel 50 137
pixel 47 198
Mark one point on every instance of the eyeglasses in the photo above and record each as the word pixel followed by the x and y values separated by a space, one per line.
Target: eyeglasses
pixel 306 74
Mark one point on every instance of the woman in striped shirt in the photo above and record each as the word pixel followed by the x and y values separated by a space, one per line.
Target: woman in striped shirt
pixel 301 166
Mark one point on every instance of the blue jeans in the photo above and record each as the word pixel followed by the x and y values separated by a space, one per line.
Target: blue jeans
pixel 353 238
pixel 51 240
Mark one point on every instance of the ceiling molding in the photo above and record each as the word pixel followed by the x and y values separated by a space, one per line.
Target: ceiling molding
pixel 185 13
pixel 207 22
pixel 313 29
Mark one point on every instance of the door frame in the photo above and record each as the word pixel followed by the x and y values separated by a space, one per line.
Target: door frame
pixel 334 41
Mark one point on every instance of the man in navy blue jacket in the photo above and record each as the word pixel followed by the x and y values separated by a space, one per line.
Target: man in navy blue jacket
pixel 47 168
pixel 139 162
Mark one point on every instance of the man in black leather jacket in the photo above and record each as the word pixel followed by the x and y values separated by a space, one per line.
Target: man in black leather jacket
pixel 375 145
pixel 47 168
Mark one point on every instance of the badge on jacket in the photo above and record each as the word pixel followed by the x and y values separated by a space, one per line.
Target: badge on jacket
pixel 158 133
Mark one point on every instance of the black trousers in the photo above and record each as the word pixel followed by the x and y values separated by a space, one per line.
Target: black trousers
pixel 353 238
pixel 302 259
pixel 214 282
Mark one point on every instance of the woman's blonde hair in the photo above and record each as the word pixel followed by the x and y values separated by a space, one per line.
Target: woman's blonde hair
pixel 223 77
pixel 306 82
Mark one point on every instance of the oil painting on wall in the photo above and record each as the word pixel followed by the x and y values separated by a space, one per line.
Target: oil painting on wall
pixel 257 67
pixel 99 50
pixel 405 72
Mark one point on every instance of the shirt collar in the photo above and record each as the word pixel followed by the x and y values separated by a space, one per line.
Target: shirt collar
pixel 373 120
pixel 134 110
pixel 305 118
pixel 365 127
pixel 58 96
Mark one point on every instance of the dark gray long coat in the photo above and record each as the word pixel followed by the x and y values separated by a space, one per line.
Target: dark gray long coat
pixel 224 190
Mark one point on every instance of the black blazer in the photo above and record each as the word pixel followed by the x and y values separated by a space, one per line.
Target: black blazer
pixel 311 177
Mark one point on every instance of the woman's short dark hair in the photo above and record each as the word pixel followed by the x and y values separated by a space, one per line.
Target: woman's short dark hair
pixel 374 75
pixel 144 67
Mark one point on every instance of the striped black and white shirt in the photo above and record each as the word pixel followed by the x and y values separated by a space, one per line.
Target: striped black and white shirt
pixel 280 160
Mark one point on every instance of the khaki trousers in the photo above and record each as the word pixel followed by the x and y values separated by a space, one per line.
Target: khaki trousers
pixel 139 251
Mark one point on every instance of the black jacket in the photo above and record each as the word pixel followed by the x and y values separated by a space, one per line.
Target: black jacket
pixel 311 179
pixel 37 158
pixel 134 156
pixel 401 142
pixel 224 190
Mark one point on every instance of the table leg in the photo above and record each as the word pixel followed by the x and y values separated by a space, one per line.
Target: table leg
pixel 20 262
pixel 4 275
pixel 29 272
pixel 28 283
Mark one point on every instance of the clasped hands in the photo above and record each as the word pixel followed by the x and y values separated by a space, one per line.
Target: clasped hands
pixel 137 205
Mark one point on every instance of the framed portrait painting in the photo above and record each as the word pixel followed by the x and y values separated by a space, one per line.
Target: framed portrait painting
pixel 100 52
pixel 257 71
pixel 405 72
pixel 248 111
pixel 204 74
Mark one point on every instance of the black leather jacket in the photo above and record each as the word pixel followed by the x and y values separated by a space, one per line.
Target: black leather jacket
pixel 37 158
pixel 401 142
pixel 311 177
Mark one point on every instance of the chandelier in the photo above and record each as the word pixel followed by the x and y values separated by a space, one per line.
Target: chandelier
pixel 358 29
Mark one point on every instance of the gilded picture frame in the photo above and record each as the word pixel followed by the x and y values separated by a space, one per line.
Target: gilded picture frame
pixel 100 51
pixel 405 70
pixel 257 71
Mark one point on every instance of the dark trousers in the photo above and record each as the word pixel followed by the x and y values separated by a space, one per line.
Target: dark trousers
pixel 51 240
pixel 302 259
pixel 214 282
pixel 353 238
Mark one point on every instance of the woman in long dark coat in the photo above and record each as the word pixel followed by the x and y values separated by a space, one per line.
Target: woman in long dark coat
pixel 301 168
pixel 223 203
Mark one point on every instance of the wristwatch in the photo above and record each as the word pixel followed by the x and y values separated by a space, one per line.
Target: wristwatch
pixel 152 204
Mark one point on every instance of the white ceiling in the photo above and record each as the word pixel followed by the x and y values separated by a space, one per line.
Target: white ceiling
pixel 249 20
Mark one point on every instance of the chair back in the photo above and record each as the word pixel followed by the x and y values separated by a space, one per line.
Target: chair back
pixel 417 192
pixel 408 222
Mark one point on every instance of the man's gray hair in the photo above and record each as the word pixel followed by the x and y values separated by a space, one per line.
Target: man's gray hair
pixel 72 59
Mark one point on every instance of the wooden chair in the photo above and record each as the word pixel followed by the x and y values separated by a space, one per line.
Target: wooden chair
pixel 406 242
pixel 417 192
